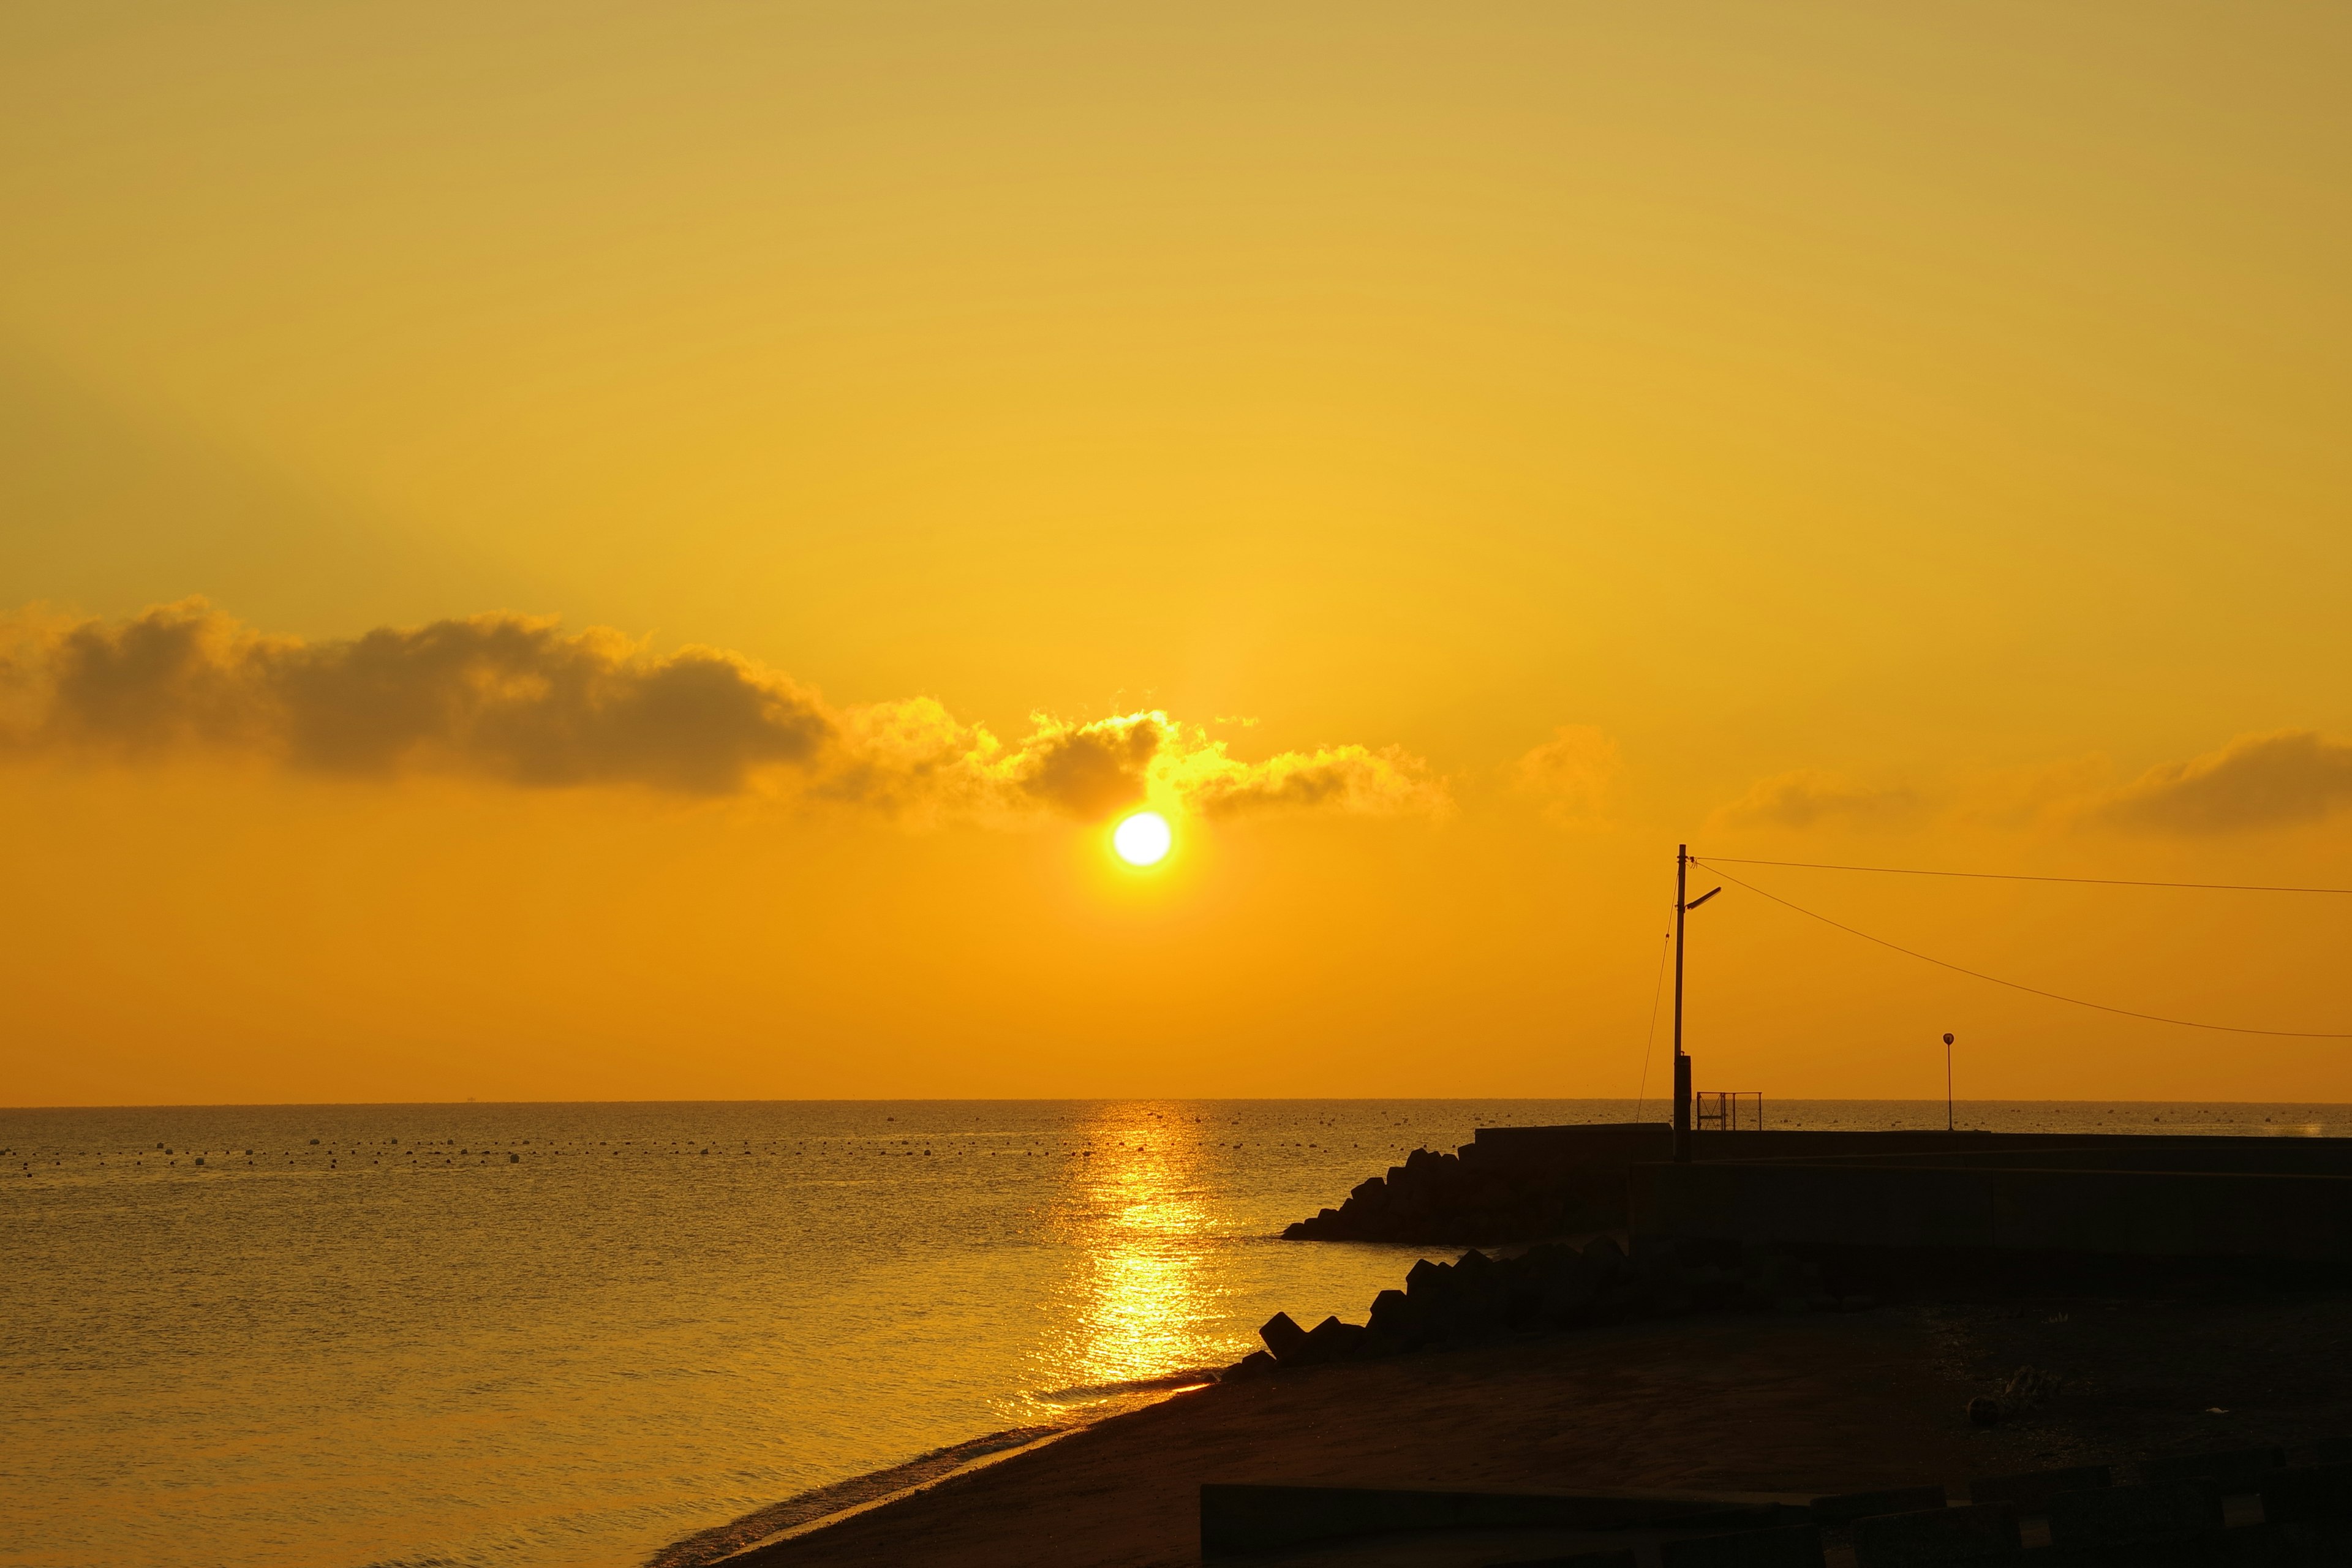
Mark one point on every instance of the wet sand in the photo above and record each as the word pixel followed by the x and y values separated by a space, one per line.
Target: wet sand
pixel 1809 1404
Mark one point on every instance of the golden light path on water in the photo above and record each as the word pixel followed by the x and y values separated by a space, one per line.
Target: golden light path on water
pixel 1148 1302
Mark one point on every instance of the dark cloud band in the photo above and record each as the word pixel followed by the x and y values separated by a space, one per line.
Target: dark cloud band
pixel 519 700
pixel 500 696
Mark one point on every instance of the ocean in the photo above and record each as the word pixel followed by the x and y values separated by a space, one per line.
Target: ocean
pixel 514 1335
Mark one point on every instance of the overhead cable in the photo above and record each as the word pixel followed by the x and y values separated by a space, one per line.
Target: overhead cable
pixel 1657 990
pixel 2020 877
pixel 2014 985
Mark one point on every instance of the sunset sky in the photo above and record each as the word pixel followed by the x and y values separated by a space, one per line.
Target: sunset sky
pixel 561 552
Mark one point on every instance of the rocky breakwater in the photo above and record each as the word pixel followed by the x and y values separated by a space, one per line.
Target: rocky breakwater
pixel 1509 1185
pixel 1547 1289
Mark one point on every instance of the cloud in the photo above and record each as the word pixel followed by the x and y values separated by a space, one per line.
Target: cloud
pixel 1571 773
pixel 1808 797
pixel 2256 781
pixel 1089 770
pixel 1201 777
pixel 518 700
pixel 503 697
pixel 2034 796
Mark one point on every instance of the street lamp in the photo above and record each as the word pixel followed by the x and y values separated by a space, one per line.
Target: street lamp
pixel 1948 1080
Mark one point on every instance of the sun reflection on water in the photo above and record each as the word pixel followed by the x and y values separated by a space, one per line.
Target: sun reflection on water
pixel 1147 1303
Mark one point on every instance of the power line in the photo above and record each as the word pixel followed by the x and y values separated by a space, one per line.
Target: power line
pixel 2015 876
pixel 2014 985
pixel 1657 989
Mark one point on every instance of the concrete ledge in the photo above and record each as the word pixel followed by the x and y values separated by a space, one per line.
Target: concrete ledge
pixel 1789 1546
pixel 1237 1518
pixel 2134 1516
pixel 1938 1536
pixel 2171 1214
pixel 1845 1508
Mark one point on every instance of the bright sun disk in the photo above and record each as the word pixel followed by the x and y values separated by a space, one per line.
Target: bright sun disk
pixel 1143 839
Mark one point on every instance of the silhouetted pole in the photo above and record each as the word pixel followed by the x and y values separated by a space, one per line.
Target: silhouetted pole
pixel 1947 1082
pixel 1682 1062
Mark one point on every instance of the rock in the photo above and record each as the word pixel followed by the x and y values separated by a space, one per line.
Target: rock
pixel 1332 1339
pixel 1395 1317
pixel 1427 1278
pixel 1564 1299
pixel 1283 1337
pixel 1257 1363
pixel 2027 1388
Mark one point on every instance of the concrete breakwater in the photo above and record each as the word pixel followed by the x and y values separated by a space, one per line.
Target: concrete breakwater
pixel 1916 1195
pixel 1506 1184
pixel 1552 1286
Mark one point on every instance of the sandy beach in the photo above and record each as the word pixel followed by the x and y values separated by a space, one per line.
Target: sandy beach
pixel 1805 1404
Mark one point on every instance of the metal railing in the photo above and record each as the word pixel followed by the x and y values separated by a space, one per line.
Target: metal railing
pixel 1727 1110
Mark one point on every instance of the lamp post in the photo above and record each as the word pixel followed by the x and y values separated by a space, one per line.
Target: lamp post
pixel 1683 906
pixel 1948 1080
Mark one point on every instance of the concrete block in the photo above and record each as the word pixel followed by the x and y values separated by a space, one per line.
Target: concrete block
pixel 1332 1339
pixel 1792 1546
pixel 2303 1493
pixel 2134 1516
pixel 1241 1518
pixel 2312 1541
pixel 2239 1470
pixel 1937 1537
pixel 1283 1336
pixel 2029 1490
pixel 2242 1546
pixel 1848 1506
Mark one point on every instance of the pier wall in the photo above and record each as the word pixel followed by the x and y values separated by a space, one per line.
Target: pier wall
pixel 1995 1207
pixel 2136 1194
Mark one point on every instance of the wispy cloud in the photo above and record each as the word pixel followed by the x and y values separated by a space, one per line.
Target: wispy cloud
pixel 1358 780
pixel 1570 774
pixel 2281 779
pixel 2276 780
pixel 1808 797
pixel 522 702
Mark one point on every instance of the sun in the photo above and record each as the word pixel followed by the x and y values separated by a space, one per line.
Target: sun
pixel 1143 839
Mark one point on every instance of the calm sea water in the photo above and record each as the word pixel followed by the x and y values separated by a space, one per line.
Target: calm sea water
pixel 571 1334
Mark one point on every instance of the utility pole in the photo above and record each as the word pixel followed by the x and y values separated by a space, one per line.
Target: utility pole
pixel 1683 905
pixel 1682 1062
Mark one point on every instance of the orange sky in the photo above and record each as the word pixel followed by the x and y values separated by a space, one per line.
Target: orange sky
pixel 1443 459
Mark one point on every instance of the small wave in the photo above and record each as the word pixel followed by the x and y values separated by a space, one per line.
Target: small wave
pixel 709 1545
pixel 1091 1391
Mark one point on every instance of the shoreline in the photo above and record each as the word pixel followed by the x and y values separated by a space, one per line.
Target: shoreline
pixel 1717 1402
pixel 820 1507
